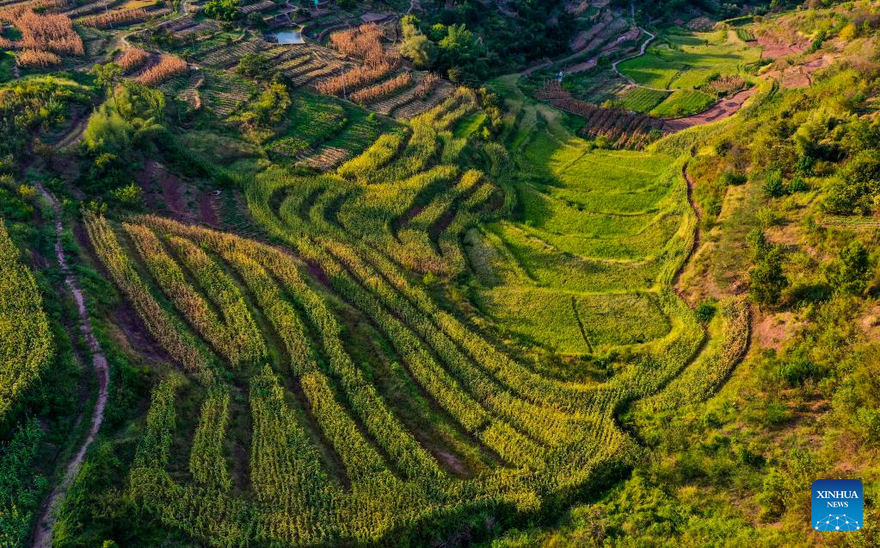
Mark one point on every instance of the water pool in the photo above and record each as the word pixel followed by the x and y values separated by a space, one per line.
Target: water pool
pixel 290 36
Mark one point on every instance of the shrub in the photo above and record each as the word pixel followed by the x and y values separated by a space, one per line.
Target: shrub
pixel 732 178
pixel 766 279
pixel 774 186
pixel 706 311
pixel 796 371
pixel 224 10
pixel 776 414
pixel 253 65
pixel 851 271
pixel 853 191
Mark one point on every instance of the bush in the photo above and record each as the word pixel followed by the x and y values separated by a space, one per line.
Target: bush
pixel 706 311
pixel 853 191
pixel 776 414
pixel 851 271
pixel 767 281
pixel 797 371
pixel 731 178
pixel 223 10
pixel 774 186
pixel 253 65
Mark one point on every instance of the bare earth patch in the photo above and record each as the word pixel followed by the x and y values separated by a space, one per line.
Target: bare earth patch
pixel 719 111
pixel 773 47
pixel 771 330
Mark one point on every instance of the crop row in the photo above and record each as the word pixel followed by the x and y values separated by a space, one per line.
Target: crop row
pixel 356 77
pixel 236 336
pixel 167 68
pixel 160 323
pixel 25 339
pixel 365 401
pixel 382 89
pixel 115 18
pixel 207 462
pixel 132 58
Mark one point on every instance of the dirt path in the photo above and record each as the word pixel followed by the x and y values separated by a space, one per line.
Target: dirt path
pixel 43 533
pixel 72 137
pixel 697 236
pixel 641 52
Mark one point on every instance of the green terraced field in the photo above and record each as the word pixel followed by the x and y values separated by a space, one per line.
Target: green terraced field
pixel 598 229
pixel 364 291
pixel 642 99
pixel 686 60
pixel 683 103
pixel 574 254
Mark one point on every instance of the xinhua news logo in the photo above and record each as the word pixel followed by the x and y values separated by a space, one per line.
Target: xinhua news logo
pixel 837 505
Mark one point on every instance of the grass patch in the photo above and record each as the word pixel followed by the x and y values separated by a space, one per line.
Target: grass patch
pixel 469 125
pixel 642 99
pixel 7 60
pixel 687 60
pixel 575 323
pixel 683 103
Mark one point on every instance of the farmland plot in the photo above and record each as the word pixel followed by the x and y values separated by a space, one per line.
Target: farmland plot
pixel 334 453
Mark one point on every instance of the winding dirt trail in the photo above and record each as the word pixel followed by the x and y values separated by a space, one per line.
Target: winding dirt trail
pixel 641 52
pixel 697 236
pixel 43 533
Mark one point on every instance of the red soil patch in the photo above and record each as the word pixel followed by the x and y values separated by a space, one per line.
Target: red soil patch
pixel 154 174
pixel 771 330
pixel 208 208
pixel 182 200
pixel 774 48
pixel 721 110
pixel 317 272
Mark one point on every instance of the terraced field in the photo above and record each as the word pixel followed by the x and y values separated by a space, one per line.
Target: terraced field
pixel 686 60
pixel 598 233
pixel 308 295
pixel 334 399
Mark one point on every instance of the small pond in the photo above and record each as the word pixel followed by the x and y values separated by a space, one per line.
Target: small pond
pixel 289 36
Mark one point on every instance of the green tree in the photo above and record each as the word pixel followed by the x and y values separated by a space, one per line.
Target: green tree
pixel 132 113
pixel 420 50
pixel 106 74
pixel 766 279
pixel 224 10
pixel 774 185
pixel 415 46
pixel 253 65
pixel 854 190
pixel 851 271
pixel 269 108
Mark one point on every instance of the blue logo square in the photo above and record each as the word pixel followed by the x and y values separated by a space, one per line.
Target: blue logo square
pixel 837 505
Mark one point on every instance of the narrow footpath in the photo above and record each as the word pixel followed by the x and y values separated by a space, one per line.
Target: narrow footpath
pixel 43 533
